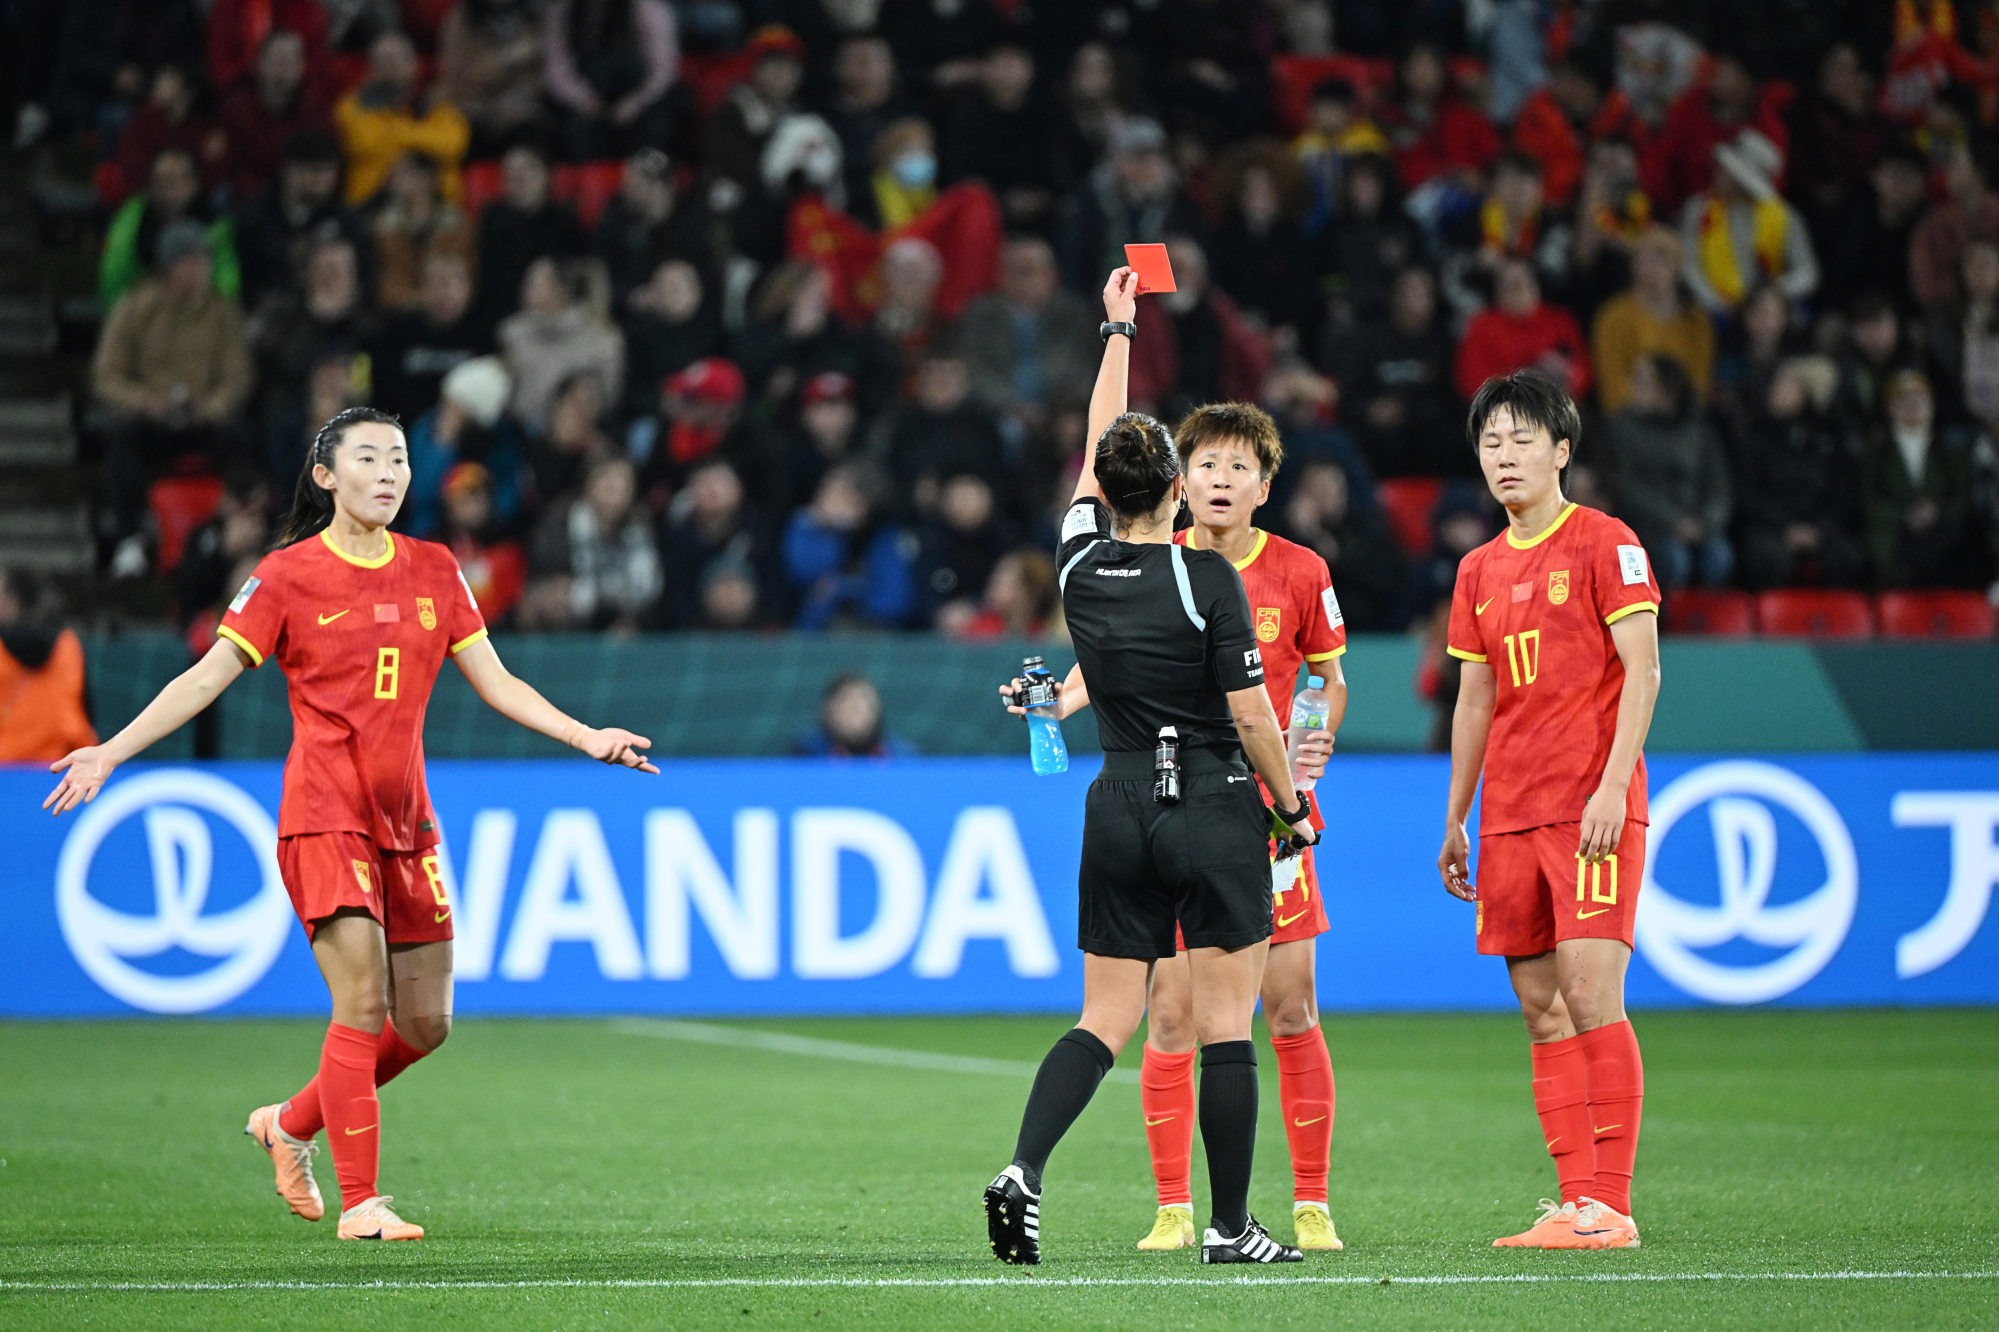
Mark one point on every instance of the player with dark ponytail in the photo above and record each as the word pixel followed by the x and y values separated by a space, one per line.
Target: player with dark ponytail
pixel 1164 636
pixel 360 621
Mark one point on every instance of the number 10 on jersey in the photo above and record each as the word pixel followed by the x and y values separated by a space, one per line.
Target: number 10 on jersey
pixel 1523 656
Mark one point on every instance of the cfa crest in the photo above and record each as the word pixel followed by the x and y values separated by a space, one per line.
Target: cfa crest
pixel 426 611
pixel 1558 587
pixel 1266 623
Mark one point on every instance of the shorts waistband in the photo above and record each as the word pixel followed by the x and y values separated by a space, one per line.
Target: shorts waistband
pixel 1136 765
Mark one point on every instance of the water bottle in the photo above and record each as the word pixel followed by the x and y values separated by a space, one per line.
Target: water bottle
pixel 1044 728
pixel 1308 713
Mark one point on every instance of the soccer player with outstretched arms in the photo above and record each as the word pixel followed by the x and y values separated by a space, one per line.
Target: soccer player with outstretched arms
pixel 360 621
pixel 1557 623
pixel 1230 453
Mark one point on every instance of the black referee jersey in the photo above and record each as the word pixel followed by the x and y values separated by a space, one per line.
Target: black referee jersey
pixel 1163 633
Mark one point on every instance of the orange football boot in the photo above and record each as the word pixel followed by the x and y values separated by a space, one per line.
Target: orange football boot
pixel 292 1159
pixel 1605 1226
pixel 1555 1228
pixel 371 1219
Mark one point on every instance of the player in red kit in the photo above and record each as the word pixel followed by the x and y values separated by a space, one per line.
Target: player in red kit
pixel 1230 453
pixel 360 621
pixel 1556 622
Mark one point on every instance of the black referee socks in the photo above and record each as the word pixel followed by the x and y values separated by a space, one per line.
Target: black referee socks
pixel 1067 1080
pixel 1228 1130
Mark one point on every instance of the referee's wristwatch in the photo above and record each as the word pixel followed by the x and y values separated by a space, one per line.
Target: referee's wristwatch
pixel 1124 326
pixel 1296 819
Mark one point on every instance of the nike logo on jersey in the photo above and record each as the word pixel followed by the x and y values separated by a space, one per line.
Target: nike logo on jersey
pixel 1480 610
pixel 1155 1123
pixel 1283 921
pixel 370 1129
pixel 441 915
pixel 1585 915
pixel 1307 1123
pixel 1606 1128
pixel 329 619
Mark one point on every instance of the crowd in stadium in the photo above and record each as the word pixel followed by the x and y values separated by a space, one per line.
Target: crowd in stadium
pixel 733 314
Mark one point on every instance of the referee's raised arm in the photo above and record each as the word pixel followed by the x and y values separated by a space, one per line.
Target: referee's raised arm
pixel 1107 399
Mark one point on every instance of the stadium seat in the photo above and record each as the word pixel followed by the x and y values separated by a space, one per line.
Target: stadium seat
pixel 1938 614
pixel 1295 77
pixel 1406 501
pixel 179 505
pixel 1801 612
pixel 1710 612
pixel 589 186
pixel 480 184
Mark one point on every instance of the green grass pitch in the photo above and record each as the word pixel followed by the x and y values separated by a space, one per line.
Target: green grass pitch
pixel 1816 1170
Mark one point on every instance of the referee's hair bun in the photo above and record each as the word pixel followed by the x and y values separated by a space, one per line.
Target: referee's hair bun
pixel 1136 464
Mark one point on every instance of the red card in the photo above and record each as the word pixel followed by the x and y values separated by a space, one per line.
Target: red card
pixel 1154 269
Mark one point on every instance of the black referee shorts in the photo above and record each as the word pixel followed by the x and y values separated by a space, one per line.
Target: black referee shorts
pixel 1203 863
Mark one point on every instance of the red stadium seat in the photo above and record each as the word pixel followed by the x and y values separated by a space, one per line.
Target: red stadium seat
pixel 180 504
pixel 1709 613
pixel 1406 501
pixel 480 184
pixel 1941 614
pixel 1799 612
pixel 1295 76
pixel 589 186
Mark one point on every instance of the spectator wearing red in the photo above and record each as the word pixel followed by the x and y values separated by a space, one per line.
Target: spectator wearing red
pixel 1969 211
pixel 1020 599
pixel 171 118
pixel 1521 331
pixel 1702 119
pixel 43 711
pixel 1194 345
pixel 238 31
pixel 1436 132
pixel 1558 121
pixel 263 112
pixel 494 566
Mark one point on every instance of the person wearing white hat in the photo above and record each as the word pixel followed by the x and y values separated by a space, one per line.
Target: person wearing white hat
pixel 469 422
pixel 1741 233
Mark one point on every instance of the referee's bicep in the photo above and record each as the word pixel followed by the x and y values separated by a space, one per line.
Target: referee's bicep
pixel 1232 647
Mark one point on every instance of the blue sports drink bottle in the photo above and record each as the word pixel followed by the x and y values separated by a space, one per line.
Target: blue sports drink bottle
pixel 1044 729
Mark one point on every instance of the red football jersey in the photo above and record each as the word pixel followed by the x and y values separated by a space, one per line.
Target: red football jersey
pixel 1292 604
pixel 360 643
pixel 1539 613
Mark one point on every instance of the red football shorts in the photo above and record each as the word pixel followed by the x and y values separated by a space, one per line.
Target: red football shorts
pixel 1298 910
pixel 1535 890
pixel 403 890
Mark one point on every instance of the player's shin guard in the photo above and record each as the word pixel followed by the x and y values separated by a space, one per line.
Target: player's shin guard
pixel 1228 1130
pixel 353 1114
pixel 1616 1103
pixel 1305 1093
pixel 1166 1095
pixel 1068 1078
pixel 303 1117
pixel 1561 1098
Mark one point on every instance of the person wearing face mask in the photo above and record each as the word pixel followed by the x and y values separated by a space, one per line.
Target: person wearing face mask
pixel 905 177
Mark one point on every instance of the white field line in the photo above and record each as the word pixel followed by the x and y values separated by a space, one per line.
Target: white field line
pixel 745 1038
pixel 951 1283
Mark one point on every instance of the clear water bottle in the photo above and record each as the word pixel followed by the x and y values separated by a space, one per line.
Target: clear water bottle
pixel 1044 727
pixel 1308 714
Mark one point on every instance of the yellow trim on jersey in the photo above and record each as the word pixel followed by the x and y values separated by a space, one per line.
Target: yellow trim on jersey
pixel 1549 531
pixel 466 641
pixel 1463 655
pixel 256 657
pixel 326 535
pixel 1262 540
pixel 1632 609
pixel 1340 651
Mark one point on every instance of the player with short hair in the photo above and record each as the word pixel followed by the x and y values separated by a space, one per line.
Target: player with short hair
pixel 1557 623
pixel 1230 453
pixel 360 621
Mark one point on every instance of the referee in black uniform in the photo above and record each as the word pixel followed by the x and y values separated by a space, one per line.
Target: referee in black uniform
pixel 1165 639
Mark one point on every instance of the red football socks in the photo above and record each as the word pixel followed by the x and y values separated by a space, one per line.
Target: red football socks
pixel 1166 1094
pixel 1305 1092
pixel 1616 1102
pixel 302 1116
pixel 1561 1098
pixel 353 1114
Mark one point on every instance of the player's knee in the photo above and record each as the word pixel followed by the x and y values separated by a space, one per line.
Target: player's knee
pixel 1169 1028
pixel 1291 1015
pixel 426 1032
pixel 361 1009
